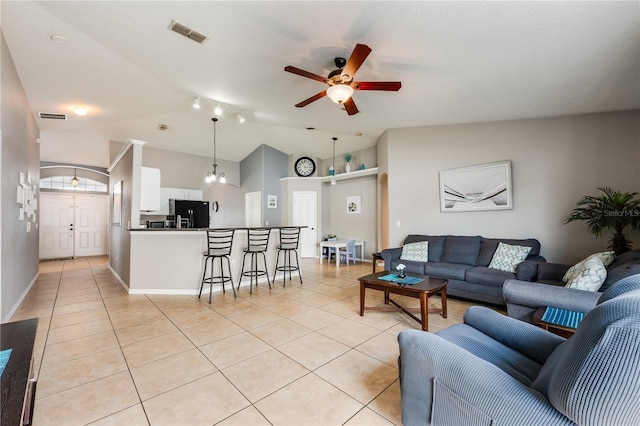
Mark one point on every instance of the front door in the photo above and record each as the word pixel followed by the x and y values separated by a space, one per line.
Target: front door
pixel 305 214
pixel 72 225
pixel 56 225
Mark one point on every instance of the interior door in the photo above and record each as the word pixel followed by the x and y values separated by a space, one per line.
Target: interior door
pixel 56 225
pixel 253 209
pixel 305 213
pixel 90 226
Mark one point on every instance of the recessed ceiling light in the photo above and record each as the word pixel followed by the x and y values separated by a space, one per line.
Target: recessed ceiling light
pixel 358 133
pixel 58 39
pixel 310 128
pixel 80 110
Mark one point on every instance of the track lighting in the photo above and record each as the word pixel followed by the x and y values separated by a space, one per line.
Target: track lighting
pixel 218 110
pixel 241 118
pixel 196 103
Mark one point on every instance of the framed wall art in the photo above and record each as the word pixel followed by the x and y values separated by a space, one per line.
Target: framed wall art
pixel 272 201
pixel 117 203
pixel 354 204
pixel 474 188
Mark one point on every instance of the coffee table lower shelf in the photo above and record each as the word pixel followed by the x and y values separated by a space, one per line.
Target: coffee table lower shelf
pixel 422 290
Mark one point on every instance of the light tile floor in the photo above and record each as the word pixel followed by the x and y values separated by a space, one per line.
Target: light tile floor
pixel 299 354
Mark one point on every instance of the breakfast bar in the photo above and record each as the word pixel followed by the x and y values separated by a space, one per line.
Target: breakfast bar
pixel 171 261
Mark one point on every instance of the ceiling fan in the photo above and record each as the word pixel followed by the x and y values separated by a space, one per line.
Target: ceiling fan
pixel 340 81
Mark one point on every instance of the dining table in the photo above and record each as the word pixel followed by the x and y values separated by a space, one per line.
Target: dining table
pixel 338 244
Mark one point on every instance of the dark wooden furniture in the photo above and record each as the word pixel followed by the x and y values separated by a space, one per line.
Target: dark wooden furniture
pixel 422 290
pixel 376 257
pixel 560 330
pixel 18 386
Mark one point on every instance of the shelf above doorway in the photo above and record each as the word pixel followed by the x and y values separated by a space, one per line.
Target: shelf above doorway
pixel 352 175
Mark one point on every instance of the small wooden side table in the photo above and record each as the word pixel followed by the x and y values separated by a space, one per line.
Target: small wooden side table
pixel 560 330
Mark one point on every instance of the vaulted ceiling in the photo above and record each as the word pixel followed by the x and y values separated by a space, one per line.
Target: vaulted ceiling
pixel 458 62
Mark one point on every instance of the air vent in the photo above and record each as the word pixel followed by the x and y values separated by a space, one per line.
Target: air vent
pixel 187 32
pixel 52 116
pixel 163 127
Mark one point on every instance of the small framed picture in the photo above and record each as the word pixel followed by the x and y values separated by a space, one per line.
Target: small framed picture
pixel 354 204
pixel 272 201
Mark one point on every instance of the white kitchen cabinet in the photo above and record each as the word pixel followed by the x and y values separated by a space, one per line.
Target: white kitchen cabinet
pixel 150 189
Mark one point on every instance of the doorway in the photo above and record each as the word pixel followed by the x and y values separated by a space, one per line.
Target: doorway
pixel 253 209
pixel 305 213
pixel 72 225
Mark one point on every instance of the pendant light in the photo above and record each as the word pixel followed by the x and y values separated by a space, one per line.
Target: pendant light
pixel 213 175
pixel 74 180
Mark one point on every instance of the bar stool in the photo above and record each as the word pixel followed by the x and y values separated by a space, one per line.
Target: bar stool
pixel 218 247
pixel 257 242
pixel 289 238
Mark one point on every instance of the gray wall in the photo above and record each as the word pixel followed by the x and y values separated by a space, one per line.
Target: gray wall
pixel 555 162
pixel 120 243
pixel 261 171
pixel 19 153
pixel 367 156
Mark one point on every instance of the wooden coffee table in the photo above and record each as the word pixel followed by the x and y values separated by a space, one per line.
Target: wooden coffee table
pixel 422 290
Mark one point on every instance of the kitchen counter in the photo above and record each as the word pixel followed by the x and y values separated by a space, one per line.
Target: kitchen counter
pixel 207 229
pixel 171 261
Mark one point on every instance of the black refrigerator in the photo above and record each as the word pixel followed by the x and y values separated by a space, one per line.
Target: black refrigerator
pixel 194 214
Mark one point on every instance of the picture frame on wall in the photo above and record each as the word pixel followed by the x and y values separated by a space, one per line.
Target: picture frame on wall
pixel 272 201
pixel 354 204
pixel 477 188
pixel 117 204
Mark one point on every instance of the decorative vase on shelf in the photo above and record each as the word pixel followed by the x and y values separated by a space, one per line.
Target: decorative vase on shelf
pixel 347 168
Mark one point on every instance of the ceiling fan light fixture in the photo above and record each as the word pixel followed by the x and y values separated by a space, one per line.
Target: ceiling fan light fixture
pixel 340 93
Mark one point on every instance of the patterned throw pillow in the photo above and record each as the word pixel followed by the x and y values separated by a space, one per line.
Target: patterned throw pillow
pixel 606 257
pixel 417 252
pixel 590 276
pixel 508 257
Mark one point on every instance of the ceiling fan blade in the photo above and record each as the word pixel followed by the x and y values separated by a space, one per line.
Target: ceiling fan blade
pixel 356 59
pixel 377 85
pixel 350 106
pixel 304 73
pixel 312 99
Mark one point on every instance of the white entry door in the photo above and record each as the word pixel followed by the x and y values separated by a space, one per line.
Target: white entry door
pixel 253 209
pixel 72 225
pixel 90 225
pixel 305 213
pixel 56 225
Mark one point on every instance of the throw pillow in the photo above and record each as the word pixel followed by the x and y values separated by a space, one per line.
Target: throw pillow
pixel 508 257
pixel 590 276
pixel 417 252
pixel 606 257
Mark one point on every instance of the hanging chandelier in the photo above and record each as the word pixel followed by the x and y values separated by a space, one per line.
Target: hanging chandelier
pixel 213 175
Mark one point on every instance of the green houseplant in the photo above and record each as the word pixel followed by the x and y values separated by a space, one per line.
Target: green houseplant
pixel 610 211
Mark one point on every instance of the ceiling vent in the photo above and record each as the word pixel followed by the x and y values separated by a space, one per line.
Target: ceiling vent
pixel 163 127
pixel 187 32
pixel 52 116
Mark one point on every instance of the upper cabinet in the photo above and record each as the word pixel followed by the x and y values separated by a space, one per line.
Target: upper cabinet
pixel 150 189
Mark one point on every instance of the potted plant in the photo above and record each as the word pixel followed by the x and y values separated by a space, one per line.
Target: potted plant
pixel 611 211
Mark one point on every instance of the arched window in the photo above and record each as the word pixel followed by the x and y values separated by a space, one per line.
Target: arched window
pixel 64 183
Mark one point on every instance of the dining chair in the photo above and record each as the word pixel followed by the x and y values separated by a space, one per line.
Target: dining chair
pixel 348 252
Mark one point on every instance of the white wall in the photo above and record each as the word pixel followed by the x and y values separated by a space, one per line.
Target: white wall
pixel 89 149
pixel 555 162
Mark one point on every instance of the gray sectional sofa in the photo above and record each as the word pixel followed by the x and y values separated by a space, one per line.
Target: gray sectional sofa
pixel 524 298
pixel 464 261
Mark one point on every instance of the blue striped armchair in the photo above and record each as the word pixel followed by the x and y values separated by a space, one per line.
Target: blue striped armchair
pixel 497 370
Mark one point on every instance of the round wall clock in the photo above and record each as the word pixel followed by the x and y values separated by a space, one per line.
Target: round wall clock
pixel 305 166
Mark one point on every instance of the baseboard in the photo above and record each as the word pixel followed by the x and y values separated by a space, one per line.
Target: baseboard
pixel 21 299
pixel 120 280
